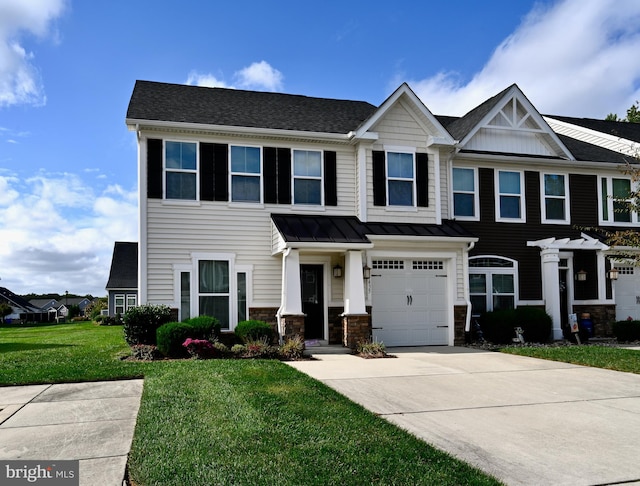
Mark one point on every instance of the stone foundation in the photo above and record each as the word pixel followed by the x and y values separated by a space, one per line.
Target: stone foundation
pixel 335 325
pixel 602 316
pixel 355 328
pixel 459 324
pixel 265 314
pixel 293 325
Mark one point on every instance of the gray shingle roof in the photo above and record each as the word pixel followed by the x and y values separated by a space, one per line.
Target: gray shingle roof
pixel 584 151
pixel 232 107
pixel 124 266
pixel 630 131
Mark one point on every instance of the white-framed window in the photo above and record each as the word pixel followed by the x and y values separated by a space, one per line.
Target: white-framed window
pixel 307 177
pixel 493 283
pixel 554 192
pixel 401 187
pixel 509 192
pixel 246 174
pixel 132 301
pixel 214 290
pixel 181 170
pixel 615 201
pixel 118 304
pixel 465 193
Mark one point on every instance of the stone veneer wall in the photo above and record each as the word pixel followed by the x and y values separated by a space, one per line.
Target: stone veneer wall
pixel 335 325
pixel 459 323
pixel 356 328
pixel 265 314
pixel 293 326
pixel 602 316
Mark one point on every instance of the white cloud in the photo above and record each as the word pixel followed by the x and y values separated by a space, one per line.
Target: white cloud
pixel 574 57
pixel 58 234
pixel 20 80
pixel 260 75
pixel 206 80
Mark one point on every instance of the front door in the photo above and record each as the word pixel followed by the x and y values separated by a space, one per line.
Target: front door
pixel 311 284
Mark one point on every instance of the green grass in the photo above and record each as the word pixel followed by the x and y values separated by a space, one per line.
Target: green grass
pixel 232 421
pixel 612 358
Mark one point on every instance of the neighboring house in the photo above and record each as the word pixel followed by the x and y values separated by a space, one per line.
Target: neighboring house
pixel 122 286
pixel 22 309
pixel 339 220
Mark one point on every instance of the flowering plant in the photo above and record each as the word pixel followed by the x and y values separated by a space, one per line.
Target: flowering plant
pixel 199 348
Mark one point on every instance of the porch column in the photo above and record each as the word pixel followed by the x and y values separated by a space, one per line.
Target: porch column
pixel 551 288
pixel 354 301
pixel 290 316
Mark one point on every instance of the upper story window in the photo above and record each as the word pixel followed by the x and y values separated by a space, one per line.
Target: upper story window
pixel 555 208
pixel 246 170
pixel 509 196
pixel 465 195
pixel 307 177
pixel 181 170
pixel 400 179
pixel 617 201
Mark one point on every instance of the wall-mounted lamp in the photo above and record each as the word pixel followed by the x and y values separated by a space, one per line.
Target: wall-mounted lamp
pixel 581 276
pixel 366 272
pixel 613 274
pixel 337 271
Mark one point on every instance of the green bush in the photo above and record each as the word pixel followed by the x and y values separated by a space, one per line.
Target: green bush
pixel 292 348
pixel 498 326
pixel 253 331
pixel 205 327
pixel 626 330
pixel 140 323
pixel 171 336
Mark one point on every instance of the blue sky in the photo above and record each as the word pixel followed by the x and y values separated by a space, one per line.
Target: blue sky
pixel 68 185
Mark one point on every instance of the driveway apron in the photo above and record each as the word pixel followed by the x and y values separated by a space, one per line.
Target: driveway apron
pixel 523 420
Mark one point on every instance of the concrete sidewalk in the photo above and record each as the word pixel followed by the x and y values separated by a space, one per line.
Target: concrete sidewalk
pixel 525 421
pixel 92 422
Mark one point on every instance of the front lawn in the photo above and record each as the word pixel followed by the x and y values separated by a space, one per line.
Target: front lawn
pixel 232 421
pixel 609 357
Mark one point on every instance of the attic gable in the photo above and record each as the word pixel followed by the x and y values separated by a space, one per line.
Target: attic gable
pixel 508 123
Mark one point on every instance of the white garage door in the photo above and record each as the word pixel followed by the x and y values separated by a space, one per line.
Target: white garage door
pixel 627 293
pixel 409 302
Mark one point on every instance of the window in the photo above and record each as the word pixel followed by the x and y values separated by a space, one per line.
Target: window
pixel 509 196
pixel 181 170
pixel 245 174
pixel 213 290
pixel 307 177
pixel 492 284
pixel 617 201
pixel 242 296
pixel 554 198
pixel 118 304
pixel 132 301
pixel 185 295
pixel 465 197
pixel 400 179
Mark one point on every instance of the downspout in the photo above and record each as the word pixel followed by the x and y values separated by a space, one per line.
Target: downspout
pixel 467 325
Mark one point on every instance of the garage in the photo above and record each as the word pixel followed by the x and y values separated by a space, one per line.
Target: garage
pixel 409 302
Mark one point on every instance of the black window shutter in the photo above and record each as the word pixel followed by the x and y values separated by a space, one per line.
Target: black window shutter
pixel 379 179
pixel 220 172
pixel 206 171
pixel 154 168
pixel 422 179
pixel 284 176
pixel 270 174
pixel 330 179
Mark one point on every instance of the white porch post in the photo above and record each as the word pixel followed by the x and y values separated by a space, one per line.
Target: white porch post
pixel 291 301
pixel 354 301
pixel 551 288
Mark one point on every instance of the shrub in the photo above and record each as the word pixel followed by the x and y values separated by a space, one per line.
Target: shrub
pixel 140 323
pixel 293 348
pixel 205 327
pixel 254 330
pixel 222 349
pixel 259 348
pixel 200 348
pixel 628 330
pixel 371 349
pixel 170 337
pixel 498 326
pixel 535 323
pixel 145 352
pixel 238 349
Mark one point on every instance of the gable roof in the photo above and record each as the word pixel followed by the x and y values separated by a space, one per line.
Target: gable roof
pixel 124 266
pixel 232 107
pixel 588 152
pixel 629 131
pixel 44 303
pixel 16 300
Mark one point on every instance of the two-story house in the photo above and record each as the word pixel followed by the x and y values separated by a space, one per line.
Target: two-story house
pixel 338 219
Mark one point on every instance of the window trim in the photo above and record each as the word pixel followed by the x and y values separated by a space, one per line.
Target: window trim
pixel 315 178
pixel 196 257
pixel 490 271
pixel 565 198
pixel 476 196
pixel 498 194
pixel 397 149
pixel 115 303
pixel 259 175
pixel 165 170
pixel 635 219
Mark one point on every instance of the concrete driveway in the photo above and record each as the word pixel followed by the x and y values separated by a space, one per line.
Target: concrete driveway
pixel 525 421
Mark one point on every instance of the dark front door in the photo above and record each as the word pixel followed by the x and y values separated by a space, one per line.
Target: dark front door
pixel 312 300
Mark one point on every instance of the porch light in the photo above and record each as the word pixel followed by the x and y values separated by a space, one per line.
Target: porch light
pixel 581 276
pixel 337 271
pixel 613 273
pixel 366 272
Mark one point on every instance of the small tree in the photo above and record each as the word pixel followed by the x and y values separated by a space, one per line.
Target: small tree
pixel 5 310
pixel 633 115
